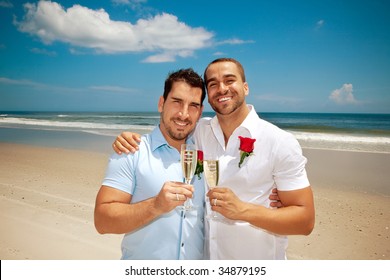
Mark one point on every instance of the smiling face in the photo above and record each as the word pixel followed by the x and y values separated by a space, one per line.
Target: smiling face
pixel 226 89
pixel 179 112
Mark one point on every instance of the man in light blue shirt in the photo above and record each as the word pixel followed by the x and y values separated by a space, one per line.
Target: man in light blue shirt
pixel 140 193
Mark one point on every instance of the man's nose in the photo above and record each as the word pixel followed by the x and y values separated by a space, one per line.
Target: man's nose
pixel 184 112
pixel 223 88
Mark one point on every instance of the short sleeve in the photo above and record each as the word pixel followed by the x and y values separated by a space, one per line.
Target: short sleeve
pixel 120 173
pixel 290 172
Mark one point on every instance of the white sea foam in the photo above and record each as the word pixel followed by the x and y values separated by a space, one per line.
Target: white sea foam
pixel 343 141
pixel 343 138
pixel 66 124
pixel 96 125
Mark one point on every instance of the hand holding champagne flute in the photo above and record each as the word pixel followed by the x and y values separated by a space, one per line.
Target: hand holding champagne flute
pixel 188 157
pixel 211 170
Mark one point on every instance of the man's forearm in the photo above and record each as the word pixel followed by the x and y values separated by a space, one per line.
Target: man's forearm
pixel 290 220
pixel 120 218
pixel 297 215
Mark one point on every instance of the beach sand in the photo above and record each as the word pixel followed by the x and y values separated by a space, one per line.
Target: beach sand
pixel 47 200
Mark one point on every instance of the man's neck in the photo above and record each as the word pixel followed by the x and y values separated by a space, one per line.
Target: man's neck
pixel 230 122
pixel 176 143
pixel 172 142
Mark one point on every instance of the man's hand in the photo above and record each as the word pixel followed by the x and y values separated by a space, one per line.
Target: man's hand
pixel 171 195
pixel 224 201
pixel 275 200
pixel 126 142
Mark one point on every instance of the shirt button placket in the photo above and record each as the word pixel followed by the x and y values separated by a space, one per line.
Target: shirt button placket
pixel 182 250
pixel 182 237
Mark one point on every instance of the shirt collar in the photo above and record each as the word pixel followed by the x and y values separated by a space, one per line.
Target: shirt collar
pixel 251 121
pixel 157 139
pixel 249 124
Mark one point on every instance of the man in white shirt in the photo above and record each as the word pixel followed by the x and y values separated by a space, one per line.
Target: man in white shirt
pixel 250 229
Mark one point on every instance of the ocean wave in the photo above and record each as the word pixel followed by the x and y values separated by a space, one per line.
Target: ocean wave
pixel 344 142
pixel 340 140
pixel 66 124
pixel 113 116
pixel 114 133
pixel 346 138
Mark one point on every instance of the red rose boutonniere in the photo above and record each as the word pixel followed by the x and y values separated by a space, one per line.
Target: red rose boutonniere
pixel 199 164
pixel 246 148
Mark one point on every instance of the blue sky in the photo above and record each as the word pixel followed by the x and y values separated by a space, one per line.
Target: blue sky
pixel 299 56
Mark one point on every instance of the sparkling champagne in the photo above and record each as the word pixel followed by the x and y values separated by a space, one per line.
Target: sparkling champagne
pixel 211 170
pixel 188 164
pixel 188 158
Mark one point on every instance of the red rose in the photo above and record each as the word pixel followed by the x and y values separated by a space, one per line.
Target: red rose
pixel 247 144
pixel 200 155
pixel 199 164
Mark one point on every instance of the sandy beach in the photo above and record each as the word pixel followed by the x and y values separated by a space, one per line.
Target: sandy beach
pixel 47 199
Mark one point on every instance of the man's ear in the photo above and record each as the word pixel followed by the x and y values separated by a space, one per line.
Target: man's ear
pixel 246 88
pixel 161 104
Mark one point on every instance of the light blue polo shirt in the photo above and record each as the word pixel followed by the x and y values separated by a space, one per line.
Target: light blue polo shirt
pixel 174 235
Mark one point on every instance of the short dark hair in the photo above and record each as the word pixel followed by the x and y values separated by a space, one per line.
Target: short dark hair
pixel 188 76
pixel 226 59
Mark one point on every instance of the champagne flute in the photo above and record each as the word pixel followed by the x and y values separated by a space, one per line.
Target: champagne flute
pixel 211 171
pixel 188 157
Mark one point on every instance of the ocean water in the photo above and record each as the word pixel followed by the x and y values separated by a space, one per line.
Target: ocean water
pixel 353 132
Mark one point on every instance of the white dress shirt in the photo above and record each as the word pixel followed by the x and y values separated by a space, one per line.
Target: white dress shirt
pixel 277 161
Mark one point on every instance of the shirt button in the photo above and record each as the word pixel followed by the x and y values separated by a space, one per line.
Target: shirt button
pixel 182 244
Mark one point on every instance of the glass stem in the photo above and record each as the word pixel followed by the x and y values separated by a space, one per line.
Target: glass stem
pixel 188 202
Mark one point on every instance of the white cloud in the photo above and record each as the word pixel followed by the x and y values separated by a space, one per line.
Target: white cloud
pixel 121 2
pixel 219 53
pixel 42 86
pixel 343 95
pixel 320 24
pixel 93 29
pixel 36 85
pixel 43 51
pixel 164 57
pixel 7 81
pixel 128 2
pixel 113 89
pixel 234 41
pixel 6 4
pixel 76 51
pixel 279 99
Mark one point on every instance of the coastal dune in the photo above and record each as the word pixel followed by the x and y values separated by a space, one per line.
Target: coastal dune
pixel 47 199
